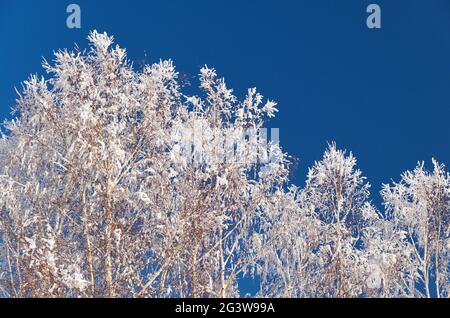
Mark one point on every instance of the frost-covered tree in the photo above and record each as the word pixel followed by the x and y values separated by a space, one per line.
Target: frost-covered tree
pixel 419 206
pixel 114 183
pixel 337 193
pixel 316 246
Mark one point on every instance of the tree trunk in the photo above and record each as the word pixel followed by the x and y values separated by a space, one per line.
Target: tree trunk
pixel 90 264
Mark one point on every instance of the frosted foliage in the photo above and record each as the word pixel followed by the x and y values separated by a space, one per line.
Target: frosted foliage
pixel 328 240
pixel 330 217
pixel 114 182
pixel 97 197
pixel 419 207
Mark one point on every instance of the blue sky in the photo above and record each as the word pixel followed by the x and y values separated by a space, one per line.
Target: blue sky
pixel 384 94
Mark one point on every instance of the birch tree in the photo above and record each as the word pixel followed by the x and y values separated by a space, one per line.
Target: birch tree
pixel 316 245
pixel 113 183
pixel 338 194
pixel 419 205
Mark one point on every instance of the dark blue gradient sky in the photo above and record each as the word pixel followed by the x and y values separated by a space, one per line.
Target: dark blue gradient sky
pixel 384 94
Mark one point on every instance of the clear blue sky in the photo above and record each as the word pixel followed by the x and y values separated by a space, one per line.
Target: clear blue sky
pixel 384 94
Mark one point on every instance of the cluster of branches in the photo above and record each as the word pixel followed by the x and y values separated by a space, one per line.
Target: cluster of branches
pixel 102 195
